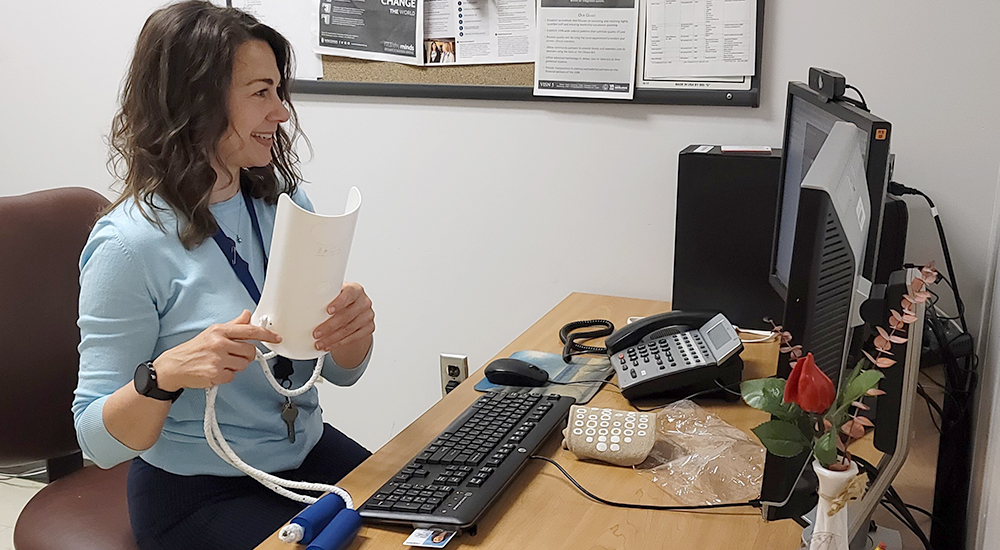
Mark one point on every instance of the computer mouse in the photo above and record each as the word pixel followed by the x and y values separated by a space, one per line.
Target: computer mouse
pixel 508 371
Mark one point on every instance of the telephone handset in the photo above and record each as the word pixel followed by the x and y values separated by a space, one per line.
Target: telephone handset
pixel 676 352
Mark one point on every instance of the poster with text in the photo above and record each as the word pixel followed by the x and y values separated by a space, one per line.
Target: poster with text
pixel 714 38
pixel 476 32
pixel 377 30
pixel 587 48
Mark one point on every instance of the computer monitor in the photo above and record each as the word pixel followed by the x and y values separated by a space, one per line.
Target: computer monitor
pixel 825 282
pixel 809 117
pixel 833 180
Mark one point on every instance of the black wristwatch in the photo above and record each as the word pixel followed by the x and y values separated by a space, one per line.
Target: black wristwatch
pixel 145 384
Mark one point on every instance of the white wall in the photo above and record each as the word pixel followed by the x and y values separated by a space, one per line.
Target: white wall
pixel 480 216
pixel 986 466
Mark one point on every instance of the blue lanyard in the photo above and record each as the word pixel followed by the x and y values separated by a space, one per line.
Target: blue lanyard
pixel 228 248
pixel 283 368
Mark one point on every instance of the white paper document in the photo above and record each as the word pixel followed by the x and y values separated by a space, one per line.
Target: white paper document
pixel 290 18
pixel 587 48
pixel 699 38
pixel 378 30
pixel 475 32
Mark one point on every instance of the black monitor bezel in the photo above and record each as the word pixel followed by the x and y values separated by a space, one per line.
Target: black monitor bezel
pixel 876 170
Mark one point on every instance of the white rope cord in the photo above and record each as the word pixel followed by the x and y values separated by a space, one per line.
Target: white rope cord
pixel 281 486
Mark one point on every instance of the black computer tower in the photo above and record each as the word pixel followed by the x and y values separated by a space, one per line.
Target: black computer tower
pixel 726 204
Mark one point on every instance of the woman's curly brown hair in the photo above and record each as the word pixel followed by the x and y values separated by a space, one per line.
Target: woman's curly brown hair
pixel 174 111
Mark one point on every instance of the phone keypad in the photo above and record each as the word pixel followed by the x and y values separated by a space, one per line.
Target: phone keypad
pixel 676 351
pixel 692 348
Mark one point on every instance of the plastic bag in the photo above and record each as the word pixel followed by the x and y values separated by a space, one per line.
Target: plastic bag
pixel 700 459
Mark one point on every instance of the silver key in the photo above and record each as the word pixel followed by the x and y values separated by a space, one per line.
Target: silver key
pixel 288 413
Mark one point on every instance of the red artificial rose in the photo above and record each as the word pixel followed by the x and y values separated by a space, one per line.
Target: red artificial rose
pixel 808 387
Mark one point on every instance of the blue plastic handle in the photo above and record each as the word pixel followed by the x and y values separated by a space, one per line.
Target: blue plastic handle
pixel 315 517
pixel 339 534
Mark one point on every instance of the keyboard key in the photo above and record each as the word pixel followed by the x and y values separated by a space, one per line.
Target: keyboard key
pixel 450 457
pixel 422 457
pixel 406 507
pixel 437 456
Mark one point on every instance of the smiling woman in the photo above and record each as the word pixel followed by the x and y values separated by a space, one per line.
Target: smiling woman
pixel 186 117
pixel 256 110
pixel 203 146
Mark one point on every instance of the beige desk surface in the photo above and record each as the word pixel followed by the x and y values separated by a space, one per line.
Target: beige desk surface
pixel 541 509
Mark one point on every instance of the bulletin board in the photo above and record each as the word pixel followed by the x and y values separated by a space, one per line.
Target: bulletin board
pixel 357 77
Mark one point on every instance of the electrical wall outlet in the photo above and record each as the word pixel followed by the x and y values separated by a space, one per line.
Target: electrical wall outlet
pixel 454 369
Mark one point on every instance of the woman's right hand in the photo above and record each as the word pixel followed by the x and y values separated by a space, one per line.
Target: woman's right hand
pixel 213 357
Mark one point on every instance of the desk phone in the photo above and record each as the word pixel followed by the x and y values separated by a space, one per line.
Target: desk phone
pixel 676 353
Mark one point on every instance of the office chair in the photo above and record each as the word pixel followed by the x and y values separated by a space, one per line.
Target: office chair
pixel 41 237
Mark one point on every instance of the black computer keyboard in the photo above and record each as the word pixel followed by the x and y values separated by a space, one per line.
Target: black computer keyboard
pixel 454 479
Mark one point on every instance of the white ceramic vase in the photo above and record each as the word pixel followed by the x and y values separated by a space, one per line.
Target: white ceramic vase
pixel 831 532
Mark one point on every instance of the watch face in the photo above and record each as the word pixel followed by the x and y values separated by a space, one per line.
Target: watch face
pixel 145 384
pixel 144 381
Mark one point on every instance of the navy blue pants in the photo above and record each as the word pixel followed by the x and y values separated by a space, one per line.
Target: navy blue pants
pixel 173 512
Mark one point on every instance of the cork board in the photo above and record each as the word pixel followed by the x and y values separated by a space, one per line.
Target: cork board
pixel 357 77
pixel 345 69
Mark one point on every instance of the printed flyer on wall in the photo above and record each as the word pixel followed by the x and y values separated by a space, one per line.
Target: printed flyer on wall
pixel 586 48
pixel 475 32
pixel 716 40
pixel 378 30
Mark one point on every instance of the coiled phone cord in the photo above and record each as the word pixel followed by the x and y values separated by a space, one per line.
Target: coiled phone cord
pixel 569 338
pixel 281 486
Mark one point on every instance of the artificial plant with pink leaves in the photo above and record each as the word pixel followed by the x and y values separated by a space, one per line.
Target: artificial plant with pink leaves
pixel 808 411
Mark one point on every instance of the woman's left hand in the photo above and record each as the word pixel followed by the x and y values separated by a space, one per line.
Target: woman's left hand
pixel 347 334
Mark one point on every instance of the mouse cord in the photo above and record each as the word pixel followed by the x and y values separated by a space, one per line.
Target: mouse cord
pixel 281 486
pixel 755 503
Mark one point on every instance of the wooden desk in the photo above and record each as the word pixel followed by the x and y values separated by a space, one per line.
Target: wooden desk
pixel 541 509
